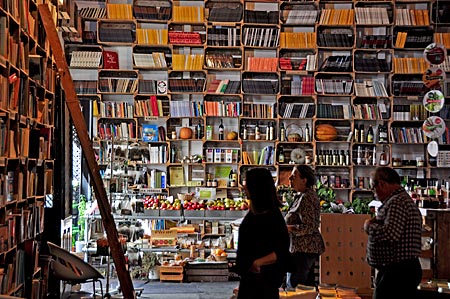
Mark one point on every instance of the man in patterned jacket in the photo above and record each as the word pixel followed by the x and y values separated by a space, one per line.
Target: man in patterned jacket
pixel 394 243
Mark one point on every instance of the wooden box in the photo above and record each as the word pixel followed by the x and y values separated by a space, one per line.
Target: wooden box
pixel 344 259
pixel 171 273
pixel 207 272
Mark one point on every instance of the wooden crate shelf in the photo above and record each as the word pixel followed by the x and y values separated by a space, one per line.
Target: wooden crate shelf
pixel 207 272
pixel 171 273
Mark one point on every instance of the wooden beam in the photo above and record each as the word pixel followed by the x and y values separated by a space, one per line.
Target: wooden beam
pixel 73 105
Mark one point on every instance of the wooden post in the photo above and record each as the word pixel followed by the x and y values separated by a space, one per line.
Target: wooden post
pixel 73 104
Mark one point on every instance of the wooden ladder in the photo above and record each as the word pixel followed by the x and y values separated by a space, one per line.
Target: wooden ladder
pixel 73 104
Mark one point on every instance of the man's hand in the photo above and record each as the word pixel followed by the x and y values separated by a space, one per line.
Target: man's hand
pixel 367 223
pixel 292 227
pixel 256 267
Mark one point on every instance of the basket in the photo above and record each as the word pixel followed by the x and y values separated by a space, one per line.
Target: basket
pixel 185 196
pixel 220 258
pixel 294 133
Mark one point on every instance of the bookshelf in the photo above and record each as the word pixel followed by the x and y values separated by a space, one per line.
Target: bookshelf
pixel 27 84
pixel 263 67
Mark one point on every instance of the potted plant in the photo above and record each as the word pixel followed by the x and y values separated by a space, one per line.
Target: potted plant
pixel 286 196
pixel 150 265
pixel 79 230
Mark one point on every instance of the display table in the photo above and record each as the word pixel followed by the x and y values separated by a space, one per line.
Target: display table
pixel 206 271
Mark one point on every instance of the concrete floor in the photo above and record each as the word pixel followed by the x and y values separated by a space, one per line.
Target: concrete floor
pixel 169 290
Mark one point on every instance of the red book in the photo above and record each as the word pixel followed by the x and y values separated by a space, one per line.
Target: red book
pixel 154 106
pixel 110 60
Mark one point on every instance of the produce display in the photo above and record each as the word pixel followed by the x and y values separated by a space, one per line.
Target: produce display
pixel 162 203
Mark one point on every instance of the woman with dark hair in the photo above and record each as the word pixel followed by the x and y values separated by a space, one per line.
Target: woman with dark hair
pixel 263 244
pixel 303 220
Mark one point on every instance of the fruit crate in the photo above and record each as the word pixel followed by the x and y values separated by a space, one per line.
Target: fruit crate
pixel 214 213
pixel 171 273
pixel 169 213
pixel 236 213
pixel 194 213
pixel 153 213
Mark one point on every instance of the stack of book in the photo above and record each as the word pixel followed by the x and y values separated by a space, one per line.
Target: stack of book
pixel 162 13
pixel 151 60
pixel 339 63
pixel 333 111
pixel 297 110
pixel 85 59
pixel 185 38
pixel 225 12
pixel 224 86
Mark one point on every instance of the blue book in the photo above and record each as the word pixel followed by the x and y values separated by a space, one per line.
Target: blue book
pixel 149 132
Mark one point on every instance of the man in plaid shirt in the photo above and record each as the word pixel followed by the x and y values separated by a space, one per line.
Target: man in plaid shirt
pixel 394 243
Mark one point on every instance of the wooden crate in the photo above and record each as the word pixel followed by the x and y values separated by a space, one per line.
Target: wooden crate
pixel 441 233
pixel 207 272
pixel 344 260
pixel 171 273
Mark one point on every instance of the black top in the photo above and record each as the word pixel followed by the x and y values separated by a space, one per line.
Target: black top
pixel 259 235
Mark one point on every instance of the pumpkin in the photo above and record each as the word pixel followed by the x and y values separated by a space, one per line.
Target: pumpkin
pixel 326 132
pixel 232 135
pixel 185 133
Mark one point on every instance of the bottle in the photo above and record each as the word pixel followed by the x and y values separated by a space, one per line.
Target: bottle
pixel 359 156
pixel 257 132
pixel 335 158
pixel 307 134
pixel 173 154
pixel 384 158
pixel 199 130
pixel 271 127
pixel 342 158
pixel 382 133
pixel 327 157
pixel 267 131
pixel 356 134
pixel 280 155
pixel 209 132
pixel 244 132
pixel 221 131
pixel 361 133
pixel 282 133
pixel 347 158
pixel 370 136
pixel 374 156
pixel 230 178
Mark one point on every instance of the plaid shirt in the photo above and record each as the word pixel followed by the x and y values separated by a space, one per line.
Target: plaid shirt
pixel 396 234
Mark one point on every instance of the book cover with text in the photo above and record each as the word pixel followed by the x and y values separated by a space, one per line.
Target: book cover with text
pixel 110 60
pixel 149 132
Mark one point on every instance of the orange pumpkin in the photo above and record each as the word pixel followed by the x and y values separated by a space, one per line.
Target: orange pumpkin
pixel 232 135
pixel 185 133
pixel 326 132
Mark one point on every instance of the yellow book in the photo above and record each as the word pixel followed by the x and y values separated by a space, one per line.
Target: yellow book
pixel 165 36
pixel 343 16
pixel 412 14
pixel 283 40
pixel 426 17
pixel 351 16
pixel 95 108
pixel 139 36
pixel 160 108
